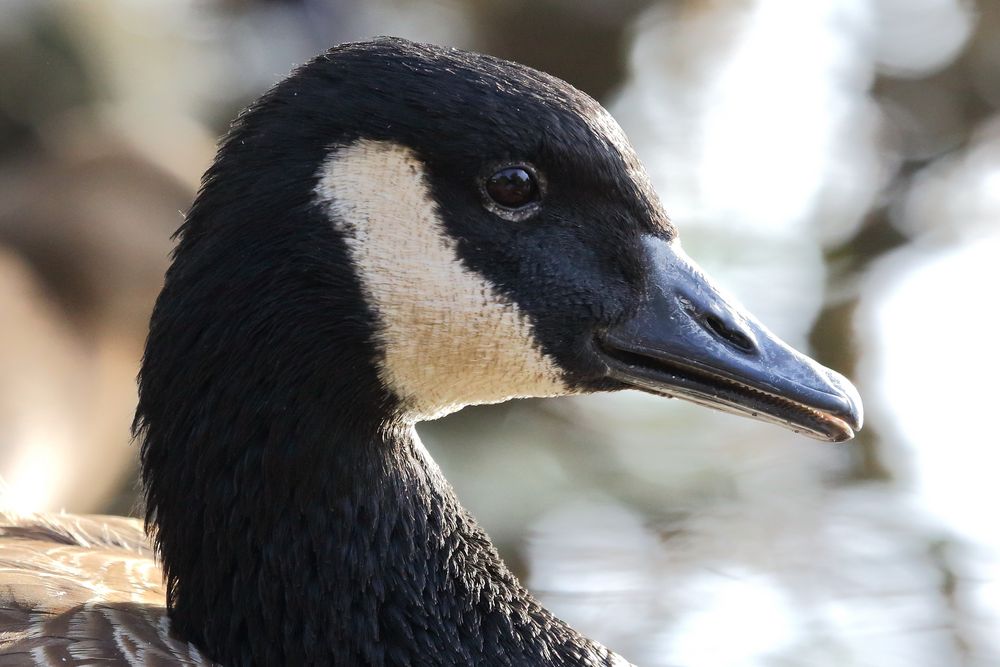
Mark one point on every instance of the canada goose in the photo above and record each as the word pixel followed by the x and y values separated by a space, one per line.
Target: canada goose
pixel 394 231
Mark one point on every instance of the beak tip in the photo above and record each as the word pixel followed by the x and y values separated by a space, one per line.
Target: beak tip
pixel 844 436
pixel 854 414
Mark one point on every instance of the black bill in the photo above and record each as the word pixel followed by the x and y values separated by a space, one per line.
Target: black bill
pixel 690 341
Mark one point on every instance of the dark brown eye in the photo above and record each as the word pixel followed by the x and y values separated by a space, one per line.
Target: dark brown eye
pixel 512 187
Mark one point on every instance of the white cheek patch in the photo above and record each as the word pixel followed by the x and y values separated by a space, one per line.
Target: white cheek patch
pixel 447 337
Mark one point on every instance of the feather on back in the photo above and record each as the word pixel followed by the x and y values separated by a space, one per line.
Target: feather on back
pixel 80 590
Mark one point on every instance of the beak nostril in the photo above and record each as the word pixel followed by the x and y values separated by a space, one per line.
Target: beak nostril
pixel 736 338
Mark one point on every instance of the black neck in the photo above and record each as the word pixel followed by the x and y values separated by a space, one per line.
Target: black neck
pixel 377 565
pixel 297 523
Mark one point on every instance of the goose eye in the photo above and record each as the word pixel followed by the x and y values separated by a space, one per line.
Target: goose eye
pixel 512 187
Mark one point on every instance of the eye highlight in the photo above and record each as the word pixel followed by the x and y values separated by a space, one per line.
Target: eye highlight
pixel 512 187
pixel 512 192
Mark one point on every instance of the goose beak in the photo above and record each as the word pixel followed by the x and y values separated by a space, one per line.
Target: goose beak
pixel 689 340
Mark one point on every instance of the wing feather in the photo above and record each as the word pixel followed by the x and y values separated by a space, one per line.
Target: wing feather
pixel 83 590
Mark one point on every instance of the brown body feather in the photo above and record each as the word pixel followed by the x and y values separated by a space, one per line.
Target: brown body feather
pixel 83 590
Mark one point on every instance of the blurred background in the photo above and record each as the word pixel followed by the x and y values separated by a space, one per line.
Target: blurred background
pixel 835 163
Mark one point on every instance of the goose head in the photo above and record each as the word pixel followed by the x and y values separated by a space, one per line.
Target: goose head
pixel 502 235
pixel 395 231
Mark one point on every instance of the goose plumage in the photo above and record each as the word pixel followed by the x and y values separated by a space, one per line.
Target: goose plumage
pixel 394 231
